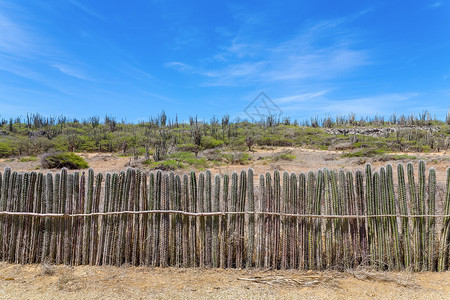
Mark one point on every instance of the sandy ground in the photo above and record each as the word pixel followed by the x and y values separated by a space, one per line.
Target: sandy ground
pixel 84 282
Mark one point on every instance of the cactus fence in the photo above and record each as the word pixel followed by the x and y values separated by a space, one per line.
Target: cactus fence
pixel 319 220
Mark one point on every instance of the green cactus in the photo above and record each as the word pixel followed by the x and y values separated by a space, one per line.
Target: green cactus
pixel 232 227
pixel 403 208
pixel 445 235
pixel 417 251
pixel 224 237
pixel 293 236
pixel 251 221
pixel 215 224
pixel 431 220
pixel 285 208
pixel 301 209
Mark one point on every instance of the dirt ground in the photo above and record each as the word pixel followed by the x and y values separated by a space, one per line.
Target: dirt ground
pixel 84 282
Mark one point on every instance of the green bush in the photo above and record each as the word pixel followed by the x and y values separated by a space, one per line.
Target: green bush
pixel 187 148
pixel 5 150
pixel 63 160
pixel 284 156
pixel 28 158
pixel 209 142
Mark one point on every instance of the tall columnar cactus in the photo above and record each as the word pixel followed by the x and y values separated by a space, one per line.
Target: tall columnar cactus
pixel 285 207
pixel 276 219
pixel 318 221
pixel 251 220
pixel 185 201
pixel 337 222
pixel 361 211
pixel 385 228
pixel 445 235
pixel 224 234
pixel 393 220
pixel 293 237
pixel 352 222
pixel 208 221
pixel 240 207
pixel 342 209
pixel 3 204
pixel 301 209
pixel 416 221
pixel 268 223
pixel 371 224
pixel 157 219
pixel 200 209
pixel 403 208
pixel 215 223
pixel 232 227
pixel 260 233
pixel 178 222
pixel 421 211
pixel 431 220
pixel 328 222
pixel 380 245
pixel 310 225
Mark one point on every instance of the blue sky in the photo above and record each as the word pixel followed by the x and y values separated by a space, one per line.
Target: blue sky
pixel 133 59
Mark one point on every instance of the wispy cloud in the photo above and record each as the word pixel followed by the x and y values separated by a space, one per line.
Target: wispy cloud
pixel 320 51
pixel 87 10
pixel 436 4
pixel 178 66
pixel 71 71
pixel 380 104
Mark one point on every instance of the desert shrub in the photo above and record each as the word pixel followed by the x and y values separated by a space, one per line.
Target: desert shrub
pixel 5 150
pixel 187 148
pixel 364 153
pixel 284 156
pixel 63 160
pixel 237 158
pixel 209 142
pixel 28 158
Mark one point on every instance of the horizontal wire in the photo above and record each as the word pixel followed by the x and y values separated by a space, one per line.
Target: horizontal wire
pixel 202 214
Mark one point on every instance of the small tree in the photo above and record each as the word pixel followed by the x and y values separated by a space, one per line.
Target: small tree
pixel 249 141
